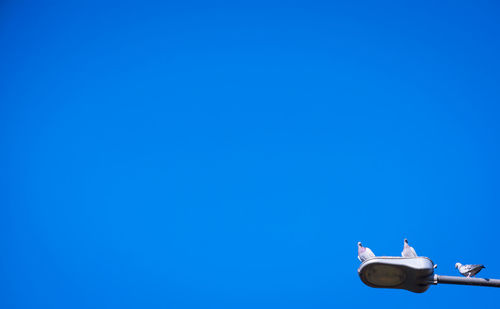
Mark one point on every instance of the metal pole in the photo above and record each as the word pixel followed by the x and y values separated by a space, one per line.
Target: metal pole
pixel 466 281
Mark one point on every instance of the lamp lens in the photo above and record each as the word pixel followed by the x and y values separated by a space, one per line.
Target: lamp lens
pixel 385 276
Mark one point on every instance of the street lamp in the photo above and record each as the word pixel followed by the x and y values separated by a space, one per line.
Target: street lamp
pixel 412 274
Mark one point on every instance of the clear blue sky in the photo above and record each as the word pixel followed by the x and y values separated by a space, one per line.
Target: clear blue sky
pixel 232 154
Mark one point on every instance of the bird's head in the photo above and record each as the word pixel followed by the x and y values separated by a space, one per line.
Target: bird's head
pixel 359 244
pixel 457 265
pixel 406 241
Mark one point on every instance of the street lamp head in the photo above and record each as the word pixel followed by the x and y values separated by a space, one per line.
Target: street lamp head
pixel 412 274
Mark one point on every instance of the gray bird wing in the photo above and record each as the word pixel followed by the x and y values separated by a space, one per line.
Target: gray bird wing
pixel 409 252
pixel 370 253
pixel 466 268
pixel 475 268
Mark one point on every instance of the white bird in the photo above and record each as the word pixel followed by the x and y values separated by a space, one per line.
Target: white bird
pixel 408 251
pixel 469 270
pixel 364 253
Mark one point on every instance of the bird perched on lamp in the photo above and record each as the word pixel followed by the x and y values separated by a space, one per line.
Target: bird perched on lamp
pixel 408 251
pixel 364 253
